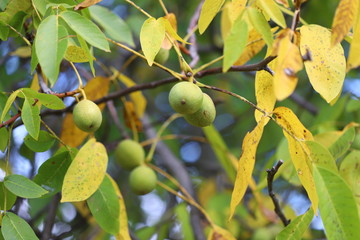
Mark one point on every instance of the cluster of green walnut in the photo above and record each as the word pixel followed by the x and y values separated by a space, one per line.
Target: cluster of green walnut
pixel 129 154
pixel 197 107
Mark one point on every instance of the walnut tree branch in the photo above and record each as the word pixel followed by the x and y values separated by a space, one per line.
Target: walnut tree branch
pixel 270 178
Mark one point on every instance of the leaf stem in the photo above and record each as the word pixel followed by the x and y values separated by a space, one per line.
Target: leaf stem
pixel 139 8
pixel 163 7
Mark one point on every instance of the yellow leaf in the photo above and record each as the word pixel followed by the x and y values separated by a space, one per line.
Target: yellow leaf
pixel 254 45
pixel 85 173
pixel 76 54
pixel 137 97
pixel 343 20
pixel 246 165
pixel 85 4
pixel 35 83
pixel 236 7
pixel 131 118
pixel 23 52
pixel 273 10
pixel 326 71
pixel 208 12
pixel 354 56
pixel 283 2
pixel 264 92
pixel 226 22
pixel 166 44
pixel 297 134
pixel 170 30
pixel 95 89
pixel 218 233
pixel 289 62
pixel 152 34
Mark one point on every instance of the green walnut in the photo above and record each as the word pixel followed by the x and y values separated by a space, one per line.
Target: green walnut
pixel 205 115
pixel 185 97
pixel 87 116
pixel 162 56
pixel 129 154
pixel 142 180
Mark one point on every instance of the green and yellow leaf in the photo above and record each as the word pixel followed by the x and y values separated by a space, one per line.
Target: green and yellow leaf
pixel 273 10
pixel 208 12
pixel 259 22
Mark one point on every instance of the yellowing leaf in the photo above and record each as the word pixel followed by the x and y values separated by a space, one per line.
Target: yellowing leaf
pixel 283 2
pixel 273 10
pixel 85 173
pixel 166 44
pixel 326 71
pixel 76 54
pixel 246 165
pixel 152 34
pixel 264 92
pixel 226 22
pixel 208 12
pixel 236 7
pixel 354 56
pixel 297 134
pixel 218 233
pixel 170 30
pixel 137 97
pixel 85 4
pixel 131 118
pixel 254 45
pixel 97 88
pixel 343 20
pixel 23 52
pixel 35 83
pixel 289 62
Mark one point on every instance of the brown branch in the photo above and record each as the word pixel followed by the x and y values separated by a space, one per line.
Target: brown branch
pixel 270 178
pixel 194 47
pixel 11 120
pixel 50 219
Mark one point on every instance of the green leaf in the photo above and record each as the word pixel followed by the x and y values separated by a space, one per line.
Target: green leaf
pixel 31 117
pixel 86 29
pixel 343 143
pixel 85 173
pixel 6 196
pixel 221 151
pixel 90 57
pixel 16 228
pixel 40 6
pixel 52 172
pixel 113 25
pixel 337 205
pixel 8 104
pixel 34 60
pixel 104 206
pixel 321 156
pixel 152 34
pixel 182 215
pixel 208 12
pixel 297 227
pixel 4 135
pixel 48 100
pixel 259 22
pixel 49 50
pixel 273 10
pixel 23 187
pixel 42 144
pixel 235 43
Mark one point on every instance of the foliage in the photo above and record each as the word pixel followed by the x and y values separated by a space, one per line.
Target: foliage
pixel 302 108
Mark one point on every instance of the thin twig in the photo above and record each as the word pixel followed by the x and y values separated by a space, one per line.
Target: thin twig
pixel 270 178
pixel 194 47
pixel 50 219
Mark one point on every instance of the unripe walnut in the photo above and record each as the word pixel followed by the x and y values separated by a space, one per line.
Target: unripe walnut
pixel 185 97
pixel 142 180
pixel 162 56
pixel 205 115
pixel 87 116
pixel 129 154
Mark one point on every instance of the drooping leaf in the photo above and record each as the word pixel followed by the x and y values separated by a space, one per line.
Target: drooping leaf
pixel 264 92
pixel 170 29
pixel 343 143
pixel 343 20
pixel 85 173
pixel 235 43
pixel 337 205
pixel 246 164
pixel 273 10
pixel 23 187
pixel 152 35
pixel 51 173
pixel 104 206
pixel 297 134
pixel 353 60
pixel 86 29
pixel 6 197
pixel 297 227
pixel 8 104
pixel 326 71
pixel 42 144
pixel 113 25
pixel 16 228
pixel 208 11
pixel 4 137
pixel 85 4
pixel 30 115
pixel 320 156
pixel 259 22
pixel 221 150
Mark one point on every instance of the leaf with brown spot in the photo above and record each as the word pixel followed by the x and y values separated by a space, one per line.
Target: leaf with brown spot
pixel 85 4
pixel 131 118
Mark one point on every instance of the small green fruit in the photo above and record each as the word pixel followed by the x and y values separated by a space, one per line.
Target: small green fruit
pixel 185 97
pixel 129 154
pixel 142 180
pixel 87 116
pixel 162 56
pixel 205 115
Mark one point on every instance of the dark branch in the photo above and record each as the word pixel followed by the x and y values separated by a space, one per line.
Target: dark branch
pixel 270 178
pixel 50 219
pixel 194 47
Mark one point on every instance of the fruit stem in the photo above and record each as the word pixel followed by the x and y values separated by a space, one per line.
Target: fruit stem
pixel 161 130
pixel 77 75
pixel 163 7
